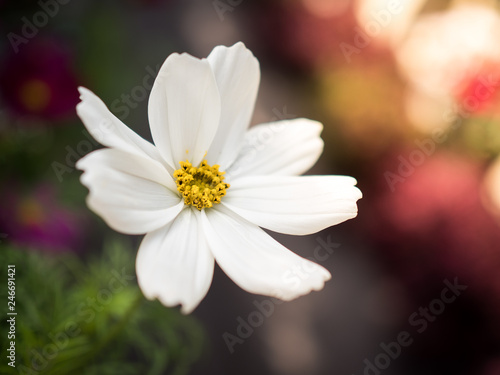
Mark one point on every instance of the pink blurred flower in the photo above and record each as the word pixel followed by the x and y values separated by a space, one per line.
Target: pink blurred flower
pixel 434 225
pixel 37 220
pixel 308 32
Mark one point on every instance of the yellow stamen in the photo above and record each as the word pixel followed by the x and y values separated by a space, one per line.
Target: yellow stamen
pixel 35 95
pixel 201 187
pixel 30 212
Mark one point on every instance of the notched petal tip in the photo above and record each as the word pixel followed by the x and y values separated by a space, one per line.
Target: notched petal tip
pixel 86 162
pixel 187 309
pixel 88 102
pixel 85 94
pixel 326 275
pixel 177 58
pixel 306 286
pixel 151 293
pixel 356 191
pixel 238 48
pixel 175 277
pixel 80 165
pixel 318 125
pixel 351 181
pixel 239 44
pixel 184 307
pixel 360 193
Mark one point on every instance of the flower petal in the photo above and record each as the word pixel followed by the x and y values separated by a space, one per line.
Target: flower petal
pixel 133 194
pixel 286 148
pixel 184 109
pixel 294 204
pixel 255 261
pixel 109 130
pixel 174 263
pixel 237 74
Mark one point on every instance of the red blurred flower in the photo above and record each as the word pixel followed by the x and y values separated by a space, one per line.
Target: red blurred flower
pixel 479 92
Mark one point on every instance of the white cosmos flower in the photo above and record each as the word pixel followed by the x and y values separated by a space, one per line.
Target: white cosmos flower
pixel 199 110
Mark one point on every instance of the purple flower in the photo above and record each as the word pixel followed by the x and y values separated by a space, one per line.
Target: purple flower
pixel 36 219
pixel 39 81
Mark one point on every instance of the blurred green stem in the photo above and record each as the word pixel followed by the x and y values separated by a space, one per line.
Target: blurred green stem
pixel 113 333
pixel 120 325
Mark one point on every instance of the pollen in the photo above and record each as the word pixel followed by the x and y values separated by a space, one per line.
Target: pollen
pixel 200 187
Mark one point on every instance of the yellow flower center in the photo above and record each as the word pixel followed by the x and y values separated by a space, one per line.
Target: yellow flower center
pixel 35 95
pixel 201 187
pixel 30 212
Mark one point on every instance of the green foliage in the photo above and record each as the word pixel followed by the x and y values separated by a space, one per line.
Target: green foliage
pixel 78 318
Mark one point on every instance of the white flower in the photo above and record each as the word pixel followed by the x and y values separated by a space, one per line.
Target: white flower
pixel 200 110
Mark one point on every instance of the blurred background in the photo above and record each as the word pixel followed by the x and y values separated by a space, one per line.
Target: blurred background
pixel 408 92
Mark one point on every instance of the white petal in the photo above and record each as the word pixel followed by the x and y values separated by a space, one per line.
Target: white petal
pixel 174 263
pixel 237 74
pixel 184 109
pixel 109 130
pixel 255 261
pixel 133 194
pixel 294 204
pixel 288 147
